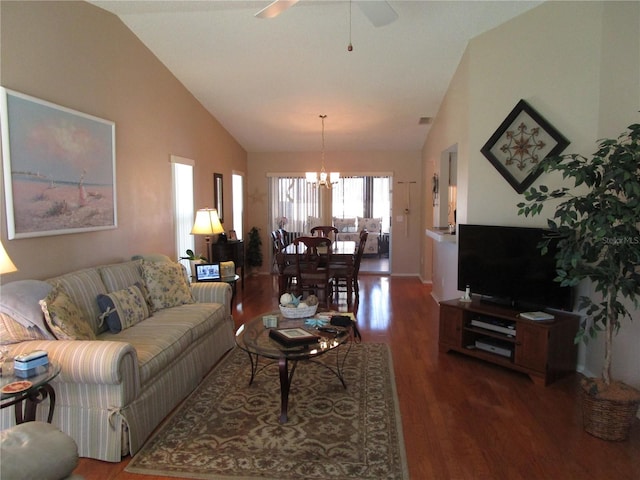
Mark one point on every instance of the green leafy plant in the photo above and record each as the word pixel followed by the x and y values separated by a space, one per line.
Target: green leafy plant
pixel 599 231
pixel 193 256
pixel 254 252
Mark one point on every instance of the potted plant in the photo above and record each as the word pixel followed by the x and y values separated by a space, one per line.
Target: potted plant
pixel 193 259
pixel 599 229
pixel 254 252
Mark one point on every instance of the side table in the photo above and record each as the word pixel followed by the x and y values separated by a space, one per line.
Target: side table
pixel 32 391
pixel 231 280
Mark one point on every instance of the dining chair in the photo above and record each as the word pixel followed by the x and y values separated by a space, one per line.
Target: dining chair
pixel 277 246
pixel 313 274
pixel 325 231
pixel 345 275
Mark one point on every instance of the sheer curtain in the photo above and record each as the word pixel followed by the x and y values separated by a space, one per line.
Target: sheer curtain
pixel 365 196
pixel 347 198
pixel 292 201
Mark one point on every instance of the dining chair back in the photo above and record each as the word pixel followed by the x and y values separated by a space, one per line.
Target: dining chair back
pixel 345 275
pixel 313 275
pixel 278 247
pixel 364 234
pixel 325 231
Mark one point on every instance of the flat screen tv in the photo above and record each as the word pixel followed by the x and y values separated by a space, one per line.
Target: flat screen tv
pixel 505 266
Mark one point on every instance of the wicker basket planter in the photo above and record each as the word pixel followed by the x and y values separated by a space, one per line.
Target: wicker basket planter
pixel 608 414
pixel 303 312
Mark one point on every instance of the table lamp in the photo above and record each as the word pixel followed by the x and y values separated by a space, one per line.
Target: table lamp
pixel 6 265
pixel 207 223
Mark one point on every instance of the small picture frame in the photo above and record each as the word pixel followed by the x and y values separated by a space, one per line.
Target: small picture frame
pixel 521 141
pixel 292 336
pixel 233 235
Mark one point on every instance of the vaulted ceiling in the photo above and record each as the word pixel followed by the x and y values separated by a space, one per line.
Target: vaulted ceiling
pixel 268 80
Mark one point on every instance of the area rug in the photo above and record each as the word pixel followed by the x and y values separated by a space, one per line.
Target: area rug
pixel 229 430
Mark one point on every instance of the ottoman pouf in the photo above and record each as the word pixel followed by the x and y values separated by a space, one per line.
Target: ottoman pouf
pixel 37 450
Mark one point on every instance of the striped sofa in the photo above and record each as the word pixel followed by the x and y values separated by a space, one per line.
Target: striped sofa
pixel 114 390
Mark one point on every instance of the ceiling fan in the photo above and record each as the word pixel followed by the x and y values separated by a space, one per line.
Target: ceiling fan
pixel 379 13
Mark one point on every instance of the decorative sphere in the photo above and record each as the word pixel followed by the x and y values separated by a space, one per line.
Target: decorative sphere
pixel 302 305
pixel 286 298
pixel 311 300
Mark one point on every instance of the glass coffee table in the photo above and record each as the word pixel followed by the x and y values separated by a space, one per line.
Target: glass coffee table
pixel 254 338
pixel 32 391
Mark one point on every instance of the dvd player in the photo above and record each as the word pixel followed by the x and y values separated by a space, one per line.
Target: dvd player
pixel 493 346
pixel 508 328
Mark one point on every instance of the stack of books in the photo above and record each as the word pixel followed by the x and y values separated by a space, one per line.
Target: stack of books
pixel 30 364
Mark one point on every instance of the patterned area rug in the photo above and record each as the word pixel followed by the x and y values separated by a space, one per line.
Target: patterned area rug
pixel 229 430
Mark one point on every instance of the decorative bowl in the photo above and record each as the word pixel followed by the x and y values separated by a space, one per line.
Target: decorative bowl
pixel 303 312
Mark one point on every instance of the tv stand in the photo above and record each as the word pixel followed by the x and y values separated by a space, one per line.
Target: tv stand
pixel 545 351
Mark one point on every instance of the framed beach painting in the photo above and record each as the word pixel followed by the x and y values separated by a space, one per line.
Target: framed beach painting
pixel 59 168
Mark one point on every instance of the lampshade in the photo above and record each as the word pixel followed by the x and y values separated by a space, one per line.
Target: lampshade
pixel 6 265
pixel 207 222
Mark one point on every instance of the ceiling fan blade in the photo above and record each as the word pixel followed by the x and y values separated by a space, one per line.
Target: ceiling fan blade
pixel 275 8
pixel 379 13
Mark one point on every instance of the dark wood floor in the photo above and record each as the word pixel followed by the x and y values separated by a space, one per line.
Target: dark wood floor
pixel 462 418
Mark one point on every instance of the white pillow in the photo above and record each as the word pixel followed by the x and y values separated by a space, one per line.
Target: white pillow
pixel 19 300
pixel 345 225
pixel 313 222
pixel 373 225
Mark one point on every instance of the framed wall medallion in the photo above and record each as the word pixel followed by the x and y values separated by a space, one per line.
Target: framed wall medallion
pixel 522 140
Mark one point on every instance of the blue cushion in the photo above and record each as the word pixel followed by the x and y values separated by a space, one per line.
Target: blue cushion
pixel 124 308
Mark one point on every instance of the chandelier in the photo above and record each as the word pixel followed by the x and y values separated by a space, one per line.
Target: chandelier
pixel 322 179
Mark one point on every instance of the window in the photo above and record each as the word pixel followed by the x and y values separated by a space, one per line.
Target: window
pixel 294 199
pixel 237 191
pixel 182 177
pixel 366 196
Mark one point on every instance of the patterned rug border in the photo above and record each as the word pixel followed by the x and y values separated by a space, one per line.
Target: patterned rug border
pixel 132 468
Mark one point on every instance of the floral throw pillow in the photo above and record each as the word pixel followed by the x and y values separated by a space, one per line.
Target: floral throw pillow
pixel 345 225
pixel 63 317
pixel 123 308
pixel 166 284
pixel 373 225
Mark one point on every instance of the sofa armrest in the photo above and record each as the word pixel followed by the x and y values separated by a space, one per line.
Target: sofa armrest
pixel 213 292
pixel 89 361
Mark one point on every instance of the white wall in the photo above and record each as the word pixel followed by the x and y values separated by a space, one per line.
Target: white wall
pixel 578 64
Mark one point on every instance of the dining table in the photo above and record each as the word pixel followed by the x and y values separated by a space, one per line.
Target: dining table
pixel 342 253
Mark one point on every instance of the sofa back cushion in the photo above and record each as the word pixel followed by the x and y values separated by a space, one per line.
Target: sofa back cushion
pixel 84 286
pixel 121 275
